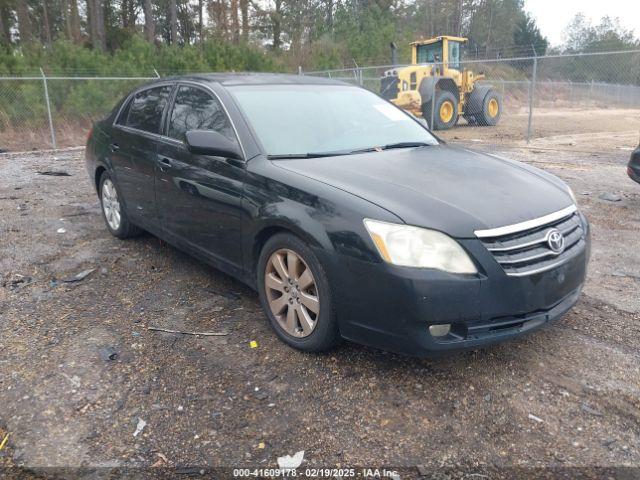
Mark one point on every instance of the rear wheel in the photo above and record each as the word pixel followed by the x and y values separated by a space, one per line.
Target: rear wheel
pixel 491 109
pixel 446 110
pixel 112 210
pixel 295 294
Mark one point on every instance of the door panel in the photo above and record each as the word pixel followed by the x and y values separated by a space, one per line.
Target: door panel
pixel 122 164
pixel 143 157
pixel 134 147
pixel 199 201
pixel 199 197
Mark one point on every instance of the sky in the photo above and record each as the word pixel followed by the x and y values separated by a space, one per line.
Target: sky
pixel 552 16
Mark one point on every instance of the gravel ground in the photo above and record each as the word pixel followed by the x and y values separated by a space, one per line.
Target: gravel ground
pixel 80 369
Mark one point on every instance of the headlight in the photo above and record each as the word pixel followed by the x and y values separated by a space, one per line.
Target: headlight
pixel 418 247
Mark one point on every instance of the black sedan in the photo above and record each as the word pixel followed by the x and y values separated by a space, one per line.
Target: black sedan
pixel 633 169
pixel 345 213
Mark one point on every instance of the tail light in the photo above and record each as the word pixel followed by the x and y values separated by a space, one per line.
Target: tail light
pixel 90 134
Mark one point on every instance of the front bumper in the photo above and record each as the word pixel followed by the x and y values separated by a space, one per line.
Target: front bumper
pixel 391 308
pixel 634 172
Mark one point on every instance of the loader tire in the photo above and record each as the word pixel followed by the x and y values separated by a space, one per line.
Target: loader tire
pixel 446 112
pixel 491 109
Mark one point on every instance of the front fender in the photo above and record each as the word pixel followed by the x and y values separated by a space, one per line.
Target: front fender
pixel 325 217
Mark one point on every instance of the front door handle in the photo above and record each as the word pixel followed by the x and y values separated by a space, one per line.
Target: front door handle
pixel 114 147
pixel 165 164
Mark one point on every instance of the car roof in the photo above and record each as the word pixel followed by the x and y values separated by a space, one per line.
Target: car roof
pixel 229 79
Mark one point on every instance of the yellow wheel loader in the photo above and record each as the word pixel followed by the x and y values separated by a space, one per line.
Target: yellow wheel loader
pixel 437 80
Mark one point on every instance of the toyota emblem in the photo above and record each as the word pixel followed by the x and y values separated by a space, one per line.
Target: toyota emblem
pixel 555 240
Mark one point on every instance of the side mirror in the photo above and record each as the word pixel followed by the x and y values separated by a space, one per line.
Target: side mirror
pixel 208 142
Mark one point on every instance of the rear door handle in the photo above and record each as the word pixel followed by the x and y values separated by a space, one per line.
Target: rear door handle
pixel 114 147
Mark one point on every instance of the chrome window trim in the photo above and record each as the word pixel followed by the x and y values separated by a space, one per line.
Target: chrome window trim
pixel 166 138
pixel 529 224
pixel 132 94
pixel 144 133
pixel 219 100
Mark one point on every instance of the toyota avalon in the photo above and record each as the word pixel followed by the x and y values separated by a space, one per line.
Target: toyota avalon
pixel 346 214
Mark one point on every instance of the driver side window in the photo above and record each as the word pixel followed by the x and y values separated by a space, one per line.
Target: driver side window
pixel 195 109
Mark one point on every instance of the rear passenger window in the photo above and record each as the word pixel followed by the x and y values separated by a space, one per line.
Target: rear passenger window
pixel 144 111
pixel 195 109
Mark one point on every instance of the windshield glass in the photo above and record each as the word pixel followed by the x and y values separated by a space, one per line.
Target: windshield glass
pixel 305 119
pixel 430 53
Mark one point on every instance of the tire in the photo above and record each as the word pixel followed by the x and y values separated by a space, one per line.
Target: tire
pixel 119 226
pixel 446 112
pixel 491 109
pixel 323 334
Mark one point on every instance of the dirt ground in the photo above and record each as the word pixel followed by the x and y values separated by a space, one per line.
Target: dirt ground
pixel 80 372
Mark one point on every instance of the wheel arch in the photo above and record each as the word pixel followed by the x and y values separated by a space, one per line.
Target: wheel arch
pixel 441 83
pixel 100 169
pixel 270 228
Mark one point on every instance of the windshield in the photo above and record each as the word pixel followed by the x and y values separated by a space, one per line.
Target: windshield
pixel 431 53
pixel 307 119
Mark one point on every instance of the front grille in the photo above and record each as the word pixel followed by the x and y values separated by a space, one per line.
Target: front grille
pixel 526 251
pixel 389 87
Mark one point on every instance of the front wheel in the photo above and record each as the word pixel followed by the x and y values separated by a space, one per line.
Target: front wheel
pixel 446 110
pixel 294 293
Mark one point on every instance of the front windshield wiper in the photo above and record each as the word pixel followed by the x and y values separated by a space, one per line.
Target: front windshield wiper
pixel 336 153
pixel 391 146
pixel 305 155
pixel 406 145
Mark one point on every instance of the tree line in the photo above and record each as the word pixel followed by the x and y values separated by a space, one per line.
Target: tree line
pixel 312 33
pixel 278 34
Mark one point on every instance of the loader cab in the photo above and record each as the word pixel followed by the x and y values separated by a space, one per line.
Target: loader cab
pixel 444 50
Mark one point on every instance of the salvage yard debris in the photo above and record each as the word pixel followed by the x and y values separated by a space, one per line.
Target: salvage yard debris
pixel 17 281
pixel 610 197
pixel 203 334
pixel 108 353
pixel 139 427
pixel 289 462
pixel 534 418
pixel 80 276
pixel 4 441
pixel 54 173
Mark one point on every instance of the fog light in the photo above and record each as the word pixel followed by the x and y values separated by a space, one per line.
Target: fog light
pixel 440 330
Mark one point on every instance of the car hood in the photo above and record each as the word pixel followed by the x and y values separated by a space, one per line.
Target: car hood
pixel 451 189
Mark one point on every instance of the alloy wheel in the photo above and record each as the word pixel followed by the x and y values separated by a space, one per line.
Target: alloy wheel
pixel 110 204
pixel 292 293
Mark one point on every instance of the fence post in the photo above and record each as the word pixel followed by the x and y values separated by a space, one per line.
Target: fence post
pixel 532 88
pixel 299 69
pixel 433 105
pixel 46 97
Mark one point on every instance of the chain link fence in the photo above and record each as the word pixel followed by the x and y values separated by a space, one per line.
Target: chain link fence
pixel 542 97
pixel 53 111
